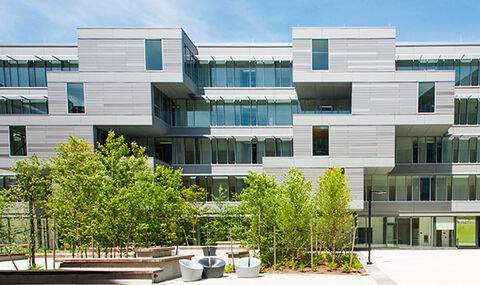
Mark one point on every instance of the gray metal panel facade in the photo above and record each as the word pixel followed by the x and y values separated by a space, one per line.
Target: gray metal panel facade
pixel 118 99
pixel 111 54
pixel 356 55
pixel 43 140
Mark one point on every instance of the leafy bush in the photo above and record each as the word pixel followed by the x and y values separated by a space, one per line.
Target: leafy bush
pixel 229 268
pixel 346 267
pixel 356 264
pixel 35 267
pixel 332 265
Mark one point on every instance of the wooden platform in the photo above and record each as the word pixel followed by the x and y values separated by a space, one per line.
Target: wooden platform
pixel 78 276
pixel 169 265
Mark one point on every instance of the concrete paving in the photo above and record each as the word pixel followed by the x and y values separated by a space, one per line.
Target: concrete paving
pixel 435 266
pixel 284 279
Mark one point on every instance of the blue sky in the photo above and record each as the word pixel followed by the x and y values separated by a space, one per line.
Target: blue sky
pixel 45 21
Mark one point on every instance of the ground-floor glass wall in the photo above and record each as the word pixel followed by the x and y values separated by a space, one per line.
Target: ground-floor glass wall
pixel 417 231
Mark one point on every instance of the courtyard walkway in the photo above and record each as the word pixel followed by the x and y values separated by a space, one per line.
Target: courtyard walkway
pixel 433 267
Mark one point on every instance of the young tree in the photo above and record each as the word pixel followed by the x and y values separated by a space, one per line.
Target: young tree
pixel 177 203
pixel 259 204
pixel 79 180
pixel 336 220
pixel 128 177
pixel 33 185
pixel 295 215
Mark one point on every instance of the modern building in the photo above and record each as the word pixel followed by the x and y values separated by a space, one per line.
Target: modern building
pixel 402 119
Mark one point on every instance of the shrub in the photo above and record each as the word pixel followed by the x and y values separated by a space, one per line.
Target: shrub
pixel 301 267
pixel 332 265
pixel 35 267
pixel 346 267
pixel 356 264
pixel 229 268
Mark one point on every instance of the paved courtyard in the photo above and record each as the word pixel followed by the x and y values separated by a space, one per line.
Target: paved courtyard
pixel 433 267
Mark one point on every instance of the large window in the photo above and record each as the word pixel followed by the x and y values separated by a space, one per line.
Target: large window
pixel 31 73
pixel 228 150
pixel 23 106
pixel 320 54
pixel 153 54
pixel 466 70
pixel 423 188
pixel 437 149
pixel 426 97
pixel 18 141
pixel 76 98
pixel 467 111
pixel 246 74
pixel 320 140
pixel 232 186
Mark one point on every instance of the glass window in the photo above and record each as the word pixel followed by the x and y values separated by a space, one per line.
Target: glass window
pixel 243 152
pixel 465 73
pixel 472 111
pixel 231 150
pixel 269 74
pixel 283 114
pixel 153 54
pixel 424 188
pixel 76 99
pixel 245 113
pixel 262 111
pixel 320 54
pixel 462 112
pixel 202 113
pixel 473 149
pixel 205 151
pixel 18 140
pixel 40 74
pixel 463 151
pixel 380 188
pixel 38 106
pixel 23 73
pixel 229 114
pixel 441 189
pixel 270 147
pixel 426 97
pixel 242 74
pixel 222 150
pixel 475 73
pixel 189 151
pixel 219 74
pixel 231 74
pixel 460 188
pixel 320 140
pixel 401 188
pixel 431 152
pixel 404 150
pixel 422 150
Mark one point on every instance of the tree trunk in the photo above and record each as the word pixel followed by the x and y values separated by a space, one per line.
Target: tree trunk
pixel 32 232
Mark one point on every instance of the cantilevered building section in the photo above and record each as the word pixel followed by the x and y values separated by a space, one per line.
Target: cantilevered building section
pixel 402 119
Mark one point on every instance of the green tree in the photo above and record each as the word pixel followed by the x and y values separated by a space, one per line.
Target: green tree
pixel 33 185
pixel 178 204
pixel 128 179
pixel 259 204
pixel 80 179
pixel 295 215
pixel 336 220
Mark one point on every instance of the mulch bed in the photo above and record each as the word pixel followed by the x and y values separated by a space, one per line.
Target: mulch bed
pixel 321 269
